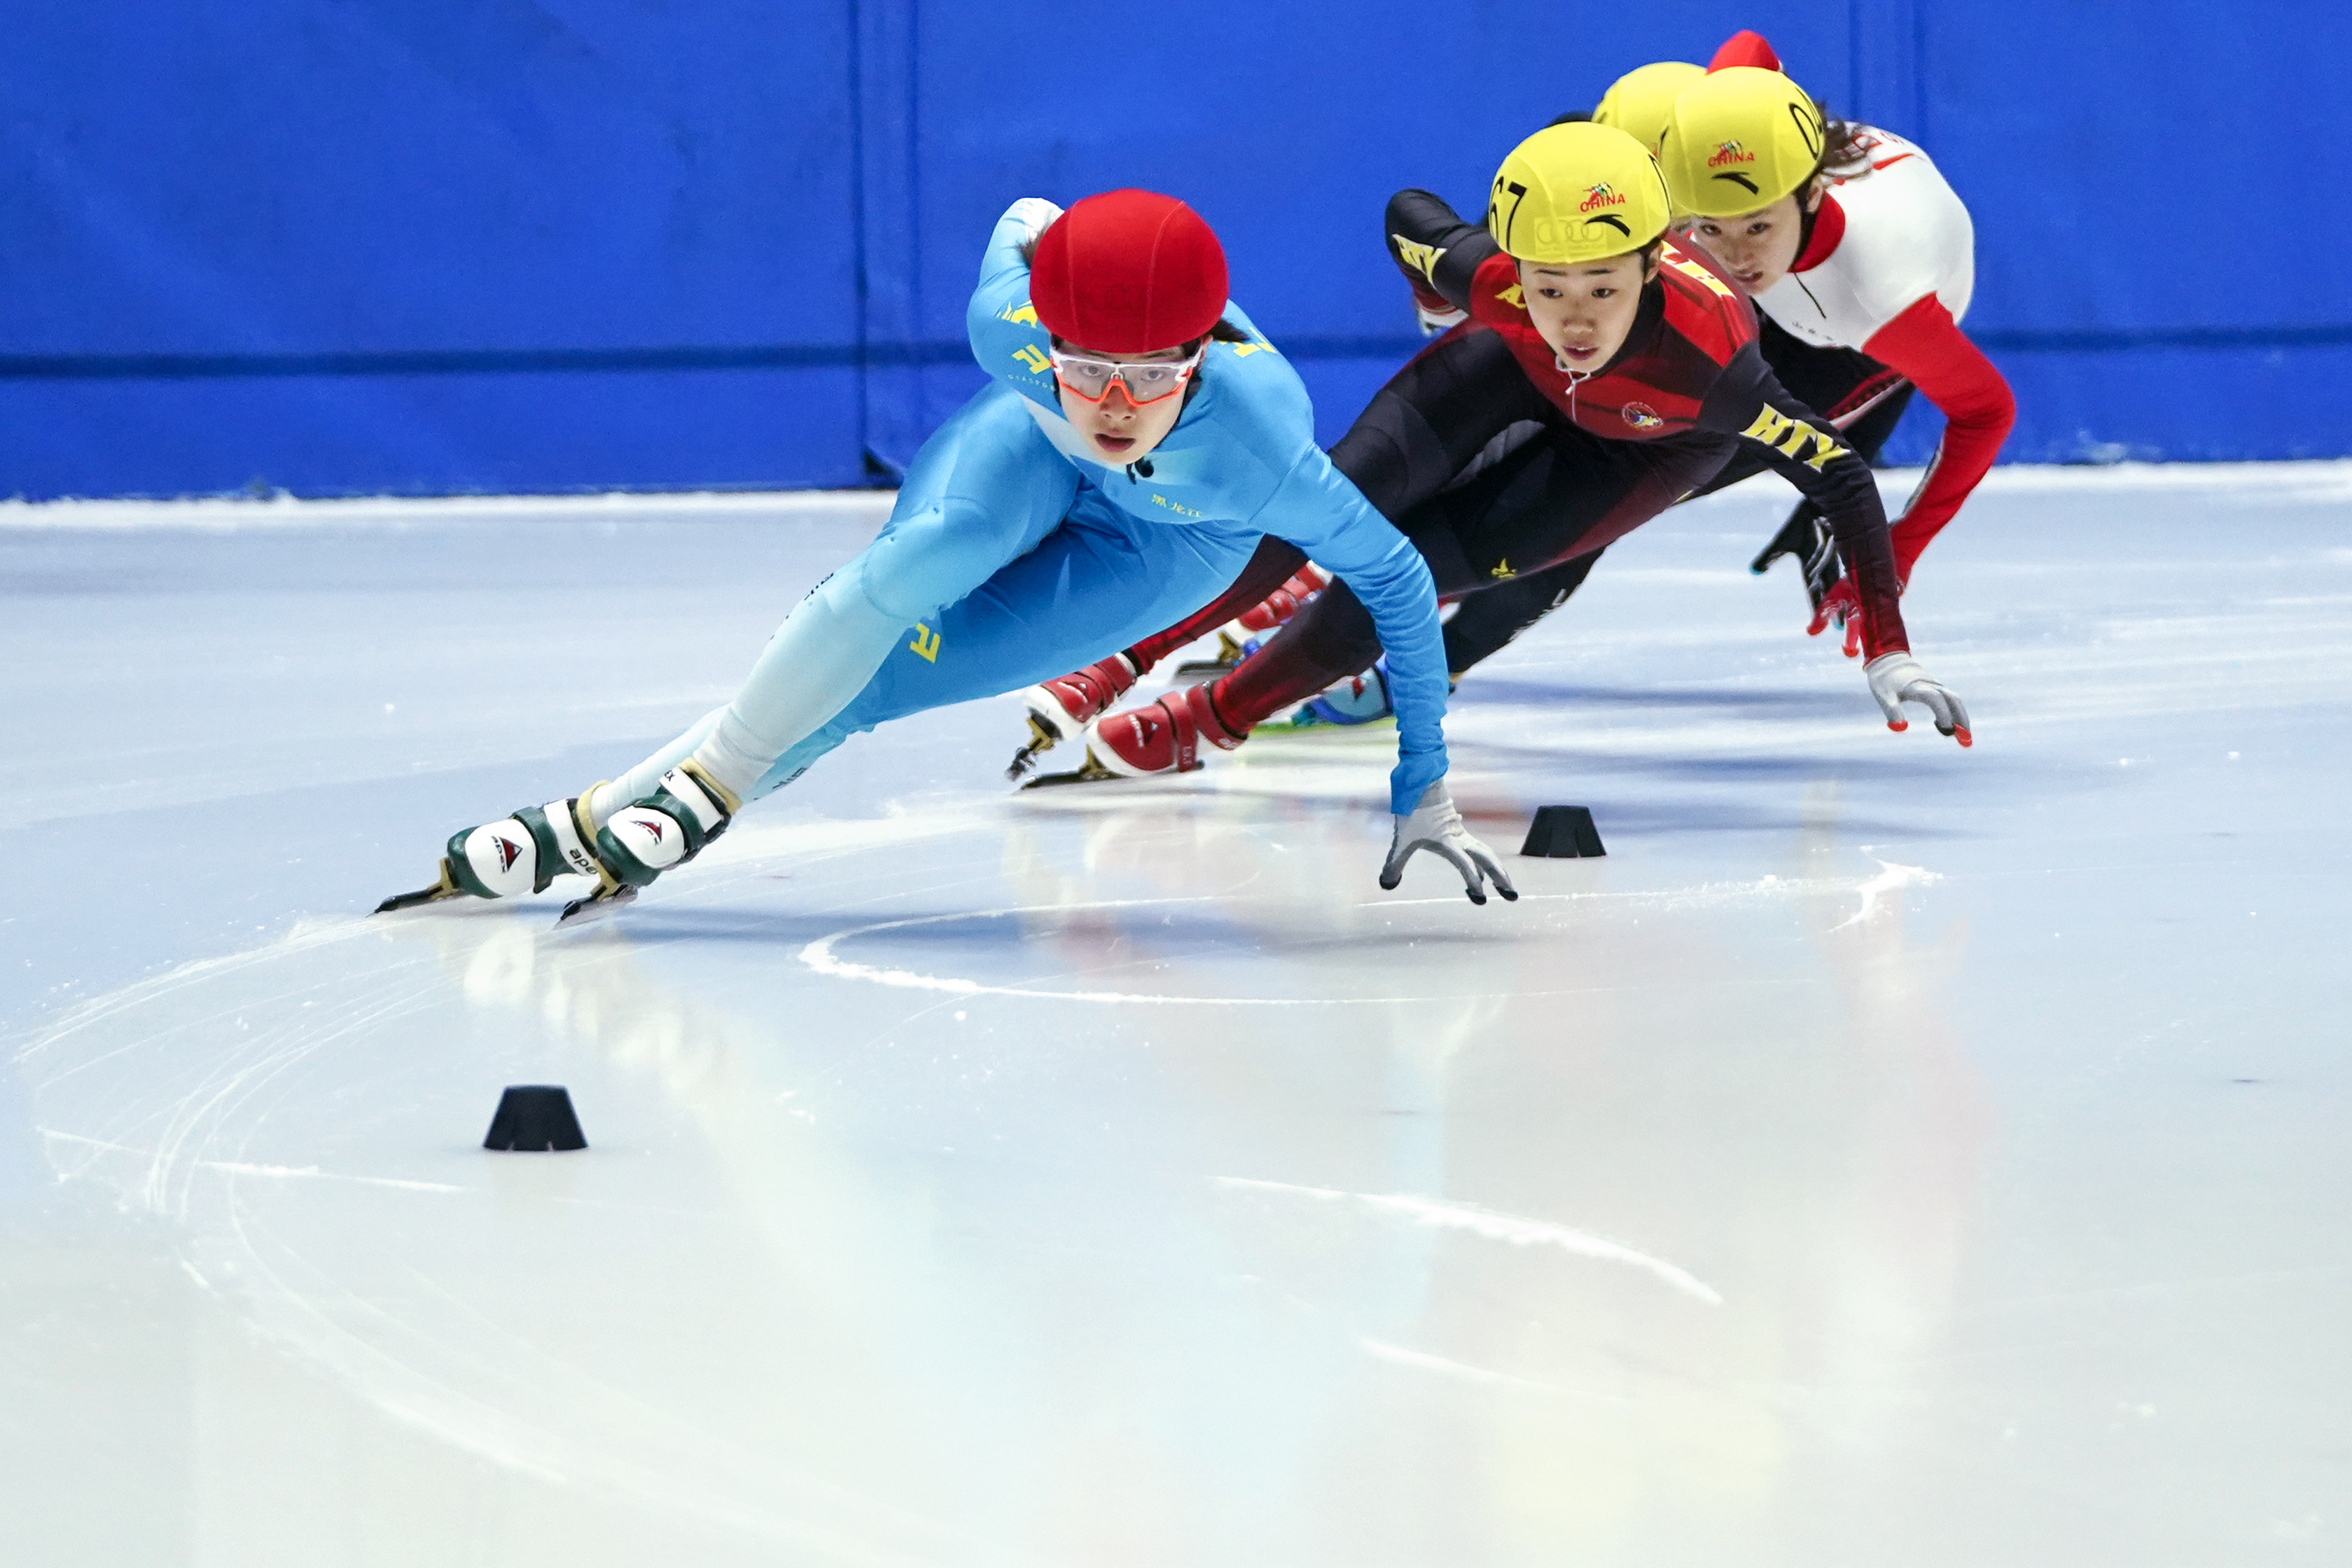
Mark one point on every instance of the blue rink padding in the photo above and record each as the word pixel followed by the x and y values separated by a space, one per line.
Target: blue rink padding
pixel 441 248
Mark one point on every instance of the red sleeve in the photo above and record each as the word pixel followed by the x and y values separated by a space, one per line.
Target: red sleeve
pixel 1928 346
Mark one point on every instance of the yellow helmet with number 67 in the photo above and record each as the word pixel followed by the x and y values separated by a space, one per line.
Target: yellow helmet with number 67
pixel 1577 192
pixel 1739 139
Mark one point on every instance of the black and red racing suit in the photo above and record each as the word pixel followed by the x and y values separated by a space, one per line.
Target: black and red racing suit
pixel 1584 458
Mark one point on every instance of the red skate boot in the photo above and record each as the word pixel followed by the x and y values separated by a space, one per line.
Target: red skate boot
pixel 1060 709
pixel 1159 737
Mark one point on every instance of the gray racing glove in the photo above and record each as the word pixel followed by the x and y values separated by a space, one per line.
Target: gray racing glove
pixel 1437 827
pixel 1896 678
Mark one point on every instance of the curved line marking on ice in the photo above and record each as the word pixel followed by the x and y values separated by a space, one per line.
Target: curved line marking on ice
pixel 820 956
pixel 1509 1228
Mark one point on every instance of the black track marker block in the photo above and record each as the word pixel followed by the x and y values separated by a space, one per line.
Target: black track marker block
pixel 1562 833
pixel 534 1116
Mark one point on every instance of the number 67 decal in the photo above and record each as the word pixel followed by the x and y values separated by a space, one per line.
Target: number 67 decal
pixel 1517 193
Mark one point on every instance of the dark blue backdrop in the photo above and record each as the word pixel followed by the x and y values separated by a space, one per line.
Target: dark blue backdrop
pixel 417 245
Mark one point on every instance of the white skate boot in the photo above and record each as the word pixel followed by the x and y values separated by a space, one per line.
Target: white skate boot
pixel 518 854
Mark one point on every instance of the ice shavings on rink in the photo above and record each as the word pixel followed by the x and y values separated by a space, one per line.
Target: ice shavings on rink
pixel 1890 878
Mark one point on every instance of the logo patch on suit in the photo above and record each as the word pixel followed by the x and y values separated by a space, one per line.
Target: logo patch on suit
pixel 925 645
pixel 1641 416
pixel 1790 437
pixel 509 851
pixel 1421 258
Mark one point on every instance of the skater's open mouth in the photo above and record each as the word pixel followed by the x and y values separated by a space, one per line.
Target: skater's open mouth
pixel 1580 355
pixel 1114 445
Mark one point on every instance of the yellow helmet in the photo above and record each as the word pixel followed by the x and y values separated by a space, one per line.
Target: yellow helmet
pixel 1739 139
pixel 1576 192
pixel 1638 103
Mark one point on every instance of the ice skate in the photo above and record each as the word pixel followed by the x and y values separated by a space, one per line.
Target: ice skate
pixel 1060 709
pixel 1164 737
pixel 1231 651
pixel 522 853
pixel 665 828
pixel 1353 703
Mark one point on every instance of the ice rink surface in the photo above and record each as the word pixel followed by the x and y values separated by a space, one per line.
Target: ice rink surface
pixel 1888 1153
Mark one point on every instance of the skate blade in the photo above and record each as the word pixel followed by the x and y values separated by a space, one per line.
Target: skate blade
pixel 596 907
pixel 1229 657
pixel 1090 772
pixel 1040 739
pixel 446 887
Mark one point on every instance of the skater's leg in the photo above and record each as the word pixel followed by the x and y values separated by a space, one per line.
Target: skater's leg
pixel 1489 619
pixel 1268 591
pixel 1098 582
pixel 1566 496
pixel 1273 564
pixel 983 490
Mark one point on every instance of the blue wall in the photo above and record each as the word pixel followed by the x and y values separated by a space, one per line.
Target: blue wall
pixel 417 245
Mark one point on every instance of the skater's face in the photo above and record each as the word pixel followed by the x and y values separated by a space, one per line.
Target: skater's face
pixel 1116 428
pixel 1759 247
pixel 1585 308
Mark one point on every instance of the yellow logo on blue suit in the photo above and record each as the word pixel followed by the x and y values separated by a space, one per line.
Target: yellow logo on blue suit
pixel 926 644
pixel 1034 357
pixel 1023 314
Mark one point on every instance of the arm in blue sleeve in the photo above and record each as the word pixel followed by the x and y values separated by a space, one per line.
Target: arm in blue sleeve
pixel 1318 508
pixel 999 322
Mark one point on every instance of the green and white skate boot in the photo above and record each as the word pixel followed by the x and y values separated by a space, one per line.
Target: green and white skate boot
pixel 646 838
pixel 518 854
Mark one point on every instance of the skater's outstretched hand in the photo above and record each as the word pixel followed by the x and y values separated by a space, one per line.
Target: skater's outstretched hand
pixel 1806 539
pixel 1437 827
pixel 1841 606
pixel 1896 678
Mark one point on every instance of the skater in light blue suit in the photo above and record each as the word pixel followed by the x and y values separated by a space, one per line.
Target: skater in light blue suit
pixel 1138 438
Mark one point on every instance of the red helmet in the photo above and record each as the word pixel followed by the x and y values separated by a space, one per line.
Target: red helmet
pixel 1127 272
pixel 1745 47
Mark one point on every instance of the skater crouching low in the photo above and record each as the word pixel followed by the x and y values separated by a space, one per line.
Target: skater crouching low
pixel 1137 440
